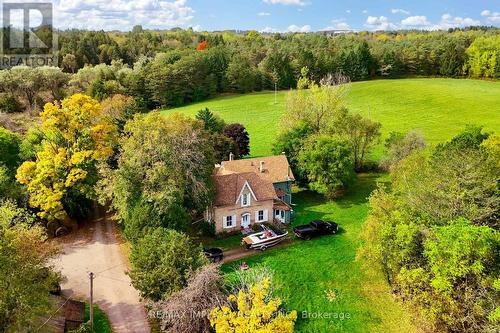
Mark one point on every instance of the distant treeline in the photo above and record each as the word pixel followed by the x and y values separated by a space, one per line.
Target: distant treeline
pixel 171 68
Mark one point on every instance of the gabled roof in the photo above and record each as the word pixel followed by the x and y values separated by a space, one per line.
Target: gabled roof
pixel 276 168
pixel 229 187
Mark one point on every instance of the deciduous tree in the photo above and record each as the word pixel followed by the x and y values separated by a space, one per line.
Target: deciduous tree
pixel 164 171
pixel 76 136
pixel 328 164
pixel 25 275
pixel 253 311
pixel 239 134
pixel 162 261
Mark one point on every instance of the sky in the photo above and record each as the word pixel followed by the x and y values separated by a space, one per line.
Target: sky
pixel 275 15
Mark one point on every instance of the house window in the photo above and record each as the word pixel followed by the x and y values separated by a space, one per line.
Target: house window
pixel 245 199
pixel 260 216
pixel 229 223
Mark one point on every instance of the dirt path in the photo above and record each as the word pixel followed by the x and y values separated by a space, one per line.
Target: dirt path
pixel 96 248
pixel 240 253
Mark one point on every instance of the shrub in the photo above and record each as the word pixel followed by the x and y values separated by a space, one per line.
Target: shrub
pixel 10 104
pixel 162 261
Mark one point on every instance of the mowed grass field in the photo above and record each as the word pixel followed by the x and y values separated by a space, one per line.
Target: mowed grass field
pixel 322 277
pixel 438 108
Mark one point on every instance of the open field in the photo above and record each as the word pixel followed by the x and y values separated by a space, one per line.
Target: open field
pixel 439 108
pixel 306 270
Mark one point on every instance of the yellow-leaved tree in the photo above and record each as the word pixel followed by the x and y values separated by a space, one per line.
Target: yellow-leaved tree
pixel 76 135
pixel 252 311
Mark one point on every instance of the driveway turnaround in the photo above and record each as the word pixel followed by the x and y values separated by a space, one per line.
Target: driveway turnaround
pixel 97 248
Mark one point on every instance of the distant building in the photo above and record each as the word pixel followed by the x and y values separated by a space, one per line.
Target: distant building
pixel 330 33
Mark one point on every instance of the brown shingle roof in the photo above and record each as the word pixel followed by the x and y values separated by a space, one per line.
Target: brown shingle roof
pixel 228 187
pixel 276 168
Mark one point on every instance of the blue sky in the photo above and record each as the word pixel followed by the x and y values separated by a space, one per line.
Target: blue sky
pixel 276 15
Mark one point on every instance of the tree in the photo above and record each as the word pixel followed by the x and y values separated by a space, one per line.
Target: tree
pixel 362 134
pixel 164 170
pixel 223 147
pixel 161 263
pixel 239 134
pixel 54 80
pixel 212 122
pixel 291 142
pixel 434 233
pixel 69 63
pixel 328 164
pixel 120 108
pixel 25 275
pixel 252 311
pixel 9 149
pixel 76 136
pixel 459 274
pixel 204 291
pixel 319 106
pixel 398 146
pixel 203 45
pixel 241 74
pixel 483 57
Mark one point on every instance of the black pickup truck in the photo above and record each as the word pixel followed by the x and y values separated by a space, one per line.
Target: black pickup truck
pixel 315 228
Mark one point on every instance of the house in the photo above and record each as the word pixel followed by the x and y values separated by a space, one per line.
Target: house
pixel 250 191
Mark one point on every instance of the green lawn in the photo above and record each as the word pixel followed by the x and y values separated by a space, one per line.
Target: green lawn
pixel 306 270
pixel 439 108
pixel 101 321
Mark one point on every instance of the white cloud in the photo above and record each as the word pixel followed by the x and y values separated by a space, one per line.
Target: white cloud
pixel 337 24
pixel 264 14
pixel 491 17
pixel 379 23
pixel 295 28
pixel 268 30
pixel 365 11
pixel 448 21
pixel 348 11
pixel 291 28
pixel 400 11
pixel 286 2
pixel 415 21
pixel 197 28
pixel 122 14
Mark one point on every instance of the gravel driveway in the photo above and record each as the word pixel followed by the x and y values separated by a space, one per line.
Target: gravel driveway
pixel 96 248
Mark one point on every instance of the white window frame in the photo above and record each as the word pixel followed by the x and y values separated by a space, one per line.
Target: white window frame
pixel 245 196
pixel 264 215
pixel 229 218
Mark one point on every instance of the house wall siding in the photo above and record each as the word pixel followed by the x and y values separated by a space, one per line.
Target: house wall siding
pixel 220 212
pixel 287 188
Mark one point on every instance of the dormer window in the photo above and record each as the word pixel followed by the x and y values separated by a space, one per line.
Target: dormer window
pixel 245 199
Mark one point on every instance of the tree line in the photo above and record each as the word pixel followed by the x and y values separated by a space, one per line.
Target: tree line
pixel 171 68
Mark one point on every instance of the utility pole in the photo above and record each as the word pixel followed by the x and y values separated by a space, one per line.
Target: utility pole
pixel 91 277
pixel 275 93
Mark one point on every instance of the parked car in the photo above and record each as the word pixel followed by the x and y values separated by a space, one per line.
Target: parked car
pixel 214 254
pixel 315 228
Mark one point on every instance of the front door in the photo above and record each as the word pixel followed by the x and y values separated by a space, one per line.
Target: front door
pixel 280 215
pixel 245 220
